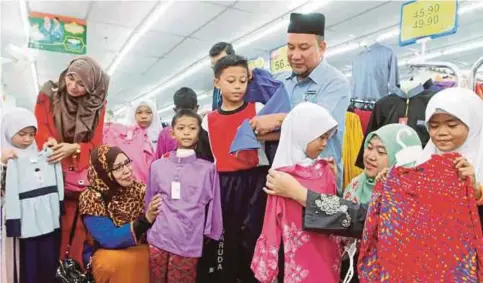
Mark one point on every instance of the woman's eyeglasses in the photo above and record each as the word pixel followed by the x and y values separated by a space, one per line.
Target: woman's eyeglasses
pixel 120 168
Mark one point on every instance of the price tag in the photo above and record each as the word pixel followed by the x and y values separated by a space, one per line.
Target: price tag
pixel 420 19
pixel 175 190
pixel 403 120
pixel 279 61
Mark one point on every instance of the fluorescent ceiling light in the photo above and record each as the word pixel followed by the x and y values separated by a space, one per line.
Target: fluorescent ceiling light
pixel 450 51
pixel 346 47
pixel 24 14
pixel 178 78
pixel 307 8
pixel 247 40
pixel 145 26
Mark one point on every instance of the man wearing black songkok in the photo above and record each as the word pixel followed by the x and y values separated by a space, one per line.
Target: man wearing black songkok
pixel 312 79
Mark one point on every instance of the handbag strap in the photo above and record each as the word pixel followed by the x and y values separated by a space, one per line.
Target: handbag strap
pixel 72 229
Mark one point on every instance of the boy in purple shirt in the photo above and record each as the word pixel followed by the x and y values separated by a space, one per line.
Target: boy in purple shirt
pixel 184 98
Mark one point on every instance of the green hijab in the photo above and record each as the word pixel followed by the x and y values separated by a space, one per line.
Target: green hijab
pixel 360 188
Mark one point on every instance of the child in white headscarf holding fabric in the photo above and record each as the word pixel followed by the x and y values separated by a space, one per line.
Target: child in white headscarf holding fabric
pixel 454 118
pixel 19 127
pixel 311 257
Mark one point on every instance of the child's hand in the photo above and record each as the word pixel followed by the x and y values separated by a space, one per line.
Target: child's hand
pixel 382 176
pixel 332 164
pixel 8 154
pixel 478 192
pixel 153 208
pixel 465 169
pixel 51 142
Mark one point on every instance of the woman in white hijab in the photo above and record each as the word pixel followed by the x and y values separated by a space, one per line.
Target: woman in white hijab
pixel 144 115
pixel 18 128
pixel 454 118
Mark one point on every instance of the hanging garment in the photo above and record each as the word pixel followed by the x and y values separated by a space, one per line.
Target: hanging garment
pixel 365 117
pixel 374 72
pixel 393 108
pixel 135 142
pixel 353 138
pixel 422 225
pixel 308 257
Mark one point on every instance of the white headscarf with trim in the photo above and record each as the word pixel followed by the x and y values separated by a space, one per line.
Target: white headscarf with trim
pixel 306 122
pixel 466 106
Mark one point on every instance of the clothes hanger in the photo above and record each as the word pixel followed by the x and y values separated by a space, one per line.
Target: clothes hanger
pixel 407 154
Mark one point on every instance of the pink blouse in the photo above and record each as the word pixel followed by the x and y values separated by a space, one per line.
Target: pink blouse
pixel 135 142
pixel 309 257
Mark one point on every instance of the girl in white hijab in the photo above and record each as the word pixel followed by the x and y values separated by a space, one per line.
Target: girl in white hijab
pixel 454 118
pixel 304 135
pixel 145 116
pixel 19 127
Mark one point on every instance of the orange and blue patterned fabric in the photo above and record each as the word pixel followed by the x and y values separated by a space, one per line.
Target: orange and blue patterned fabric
pixel 422 226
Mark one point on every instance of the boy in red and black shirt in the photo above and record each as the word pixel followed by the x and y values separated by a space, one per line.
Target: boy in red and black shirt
pixel 242 177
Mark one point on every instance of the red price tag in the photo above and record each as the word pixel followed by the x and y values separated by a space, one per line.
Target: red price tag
pixel 403 120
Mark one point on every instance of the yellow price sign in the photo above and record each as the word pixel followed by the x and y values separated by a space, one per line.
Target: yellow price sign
pixel 420 19
pixel 258 63
pixel 279 61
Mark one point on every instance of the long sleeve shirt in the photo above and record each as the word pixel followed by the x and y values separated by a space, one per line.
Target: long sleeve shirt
pixel 422 226
pixel 135 143
pixel 327 87
pixel 191 204
pixel 47 129
pixel 106 235
pixel 374 73
pixel 309 257
pixel 34 191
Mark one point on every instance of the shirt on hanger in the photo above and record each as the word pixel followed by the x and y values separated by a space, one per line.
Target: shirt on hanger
pixel 309 257
pixel 374 72
pixel 33 194
pixel 392 109
pixel 422 225
pixel 191 207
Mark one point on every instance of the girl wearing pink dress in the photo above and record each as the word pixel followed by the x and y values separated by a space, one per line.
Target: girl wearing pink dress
pixel 308 257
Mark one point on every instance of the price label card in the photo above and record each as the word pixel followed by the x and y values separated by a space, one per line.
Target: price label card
pixel 421 19
pixel 279 61
pixel 258 63
pixel 175 190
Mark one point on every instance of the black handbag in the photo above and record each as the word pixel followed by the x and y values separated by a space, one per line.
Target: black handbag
pixel 333 215
pixel 70 271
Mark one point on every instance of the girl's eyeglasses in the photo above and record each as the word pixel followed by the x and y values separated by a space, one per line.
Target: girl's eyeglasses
pixel 120 168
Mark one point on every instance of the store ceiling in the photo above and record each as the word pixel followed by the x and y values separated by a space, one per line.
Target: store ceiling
pixel 183 35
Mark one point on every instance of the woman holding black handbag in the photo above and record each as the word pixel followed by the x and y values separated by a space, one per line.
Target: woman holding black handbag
pixel 70 114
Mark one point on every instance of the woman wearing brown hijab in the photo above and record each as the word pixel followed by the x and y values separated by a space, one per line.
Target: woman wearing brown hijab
pixel 70 115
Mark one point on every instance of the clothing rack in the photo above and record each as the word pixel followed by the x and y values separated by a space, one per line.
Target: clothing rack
pixel 474 71
pixel 441 65
pixel 365 101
